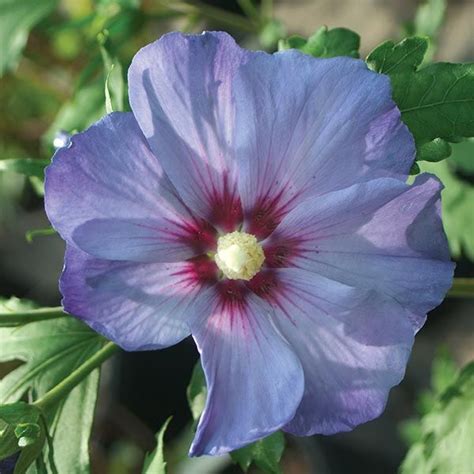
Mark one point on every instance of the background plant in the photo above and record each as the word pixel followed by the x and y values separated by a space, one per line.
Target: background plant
pixel 63 66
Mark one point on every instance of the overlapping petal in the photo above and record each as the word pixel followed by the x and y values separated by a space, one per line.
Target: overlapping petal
pixel 352 343
pixel 107 194
pixel 312 148
pixel 382 235
pixel 215 114
pixel 307 126
pixel 138 306
pixel 181 91
pixel 255 381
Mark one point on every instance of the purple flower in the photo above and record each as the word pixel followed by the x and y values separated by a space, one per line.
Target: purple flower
pixel 257 202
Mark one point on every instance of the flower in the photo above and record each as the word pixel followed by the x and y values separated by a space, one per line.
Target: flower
pixel 257 202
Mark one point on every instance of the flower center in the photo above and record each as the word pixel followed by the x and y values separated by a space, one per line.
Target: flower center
pixel 239 256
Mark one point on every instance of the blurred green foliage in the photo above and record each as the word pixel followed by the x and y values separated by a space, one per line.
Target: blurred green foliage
pixel 441 440
pixel 53 55
pixel 64 66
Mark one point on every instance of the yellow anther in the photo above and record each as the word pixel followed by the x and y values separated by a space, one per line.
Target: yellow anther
pixel 239 256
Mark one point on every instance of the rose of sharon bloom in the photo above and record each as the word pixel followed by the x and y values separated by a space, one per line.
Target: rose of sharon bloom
pixel 258 203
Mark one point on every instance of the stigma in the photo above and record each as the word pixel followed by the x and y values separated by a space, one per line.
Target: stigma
pixel 239 255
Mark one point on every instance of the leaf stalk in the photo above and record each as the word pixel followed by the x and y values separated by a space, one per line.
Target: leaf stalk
pixel 61 390
pixel 15 318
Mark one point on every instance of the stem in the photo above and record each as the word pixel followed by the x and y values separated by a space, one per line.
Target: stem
pixel 75 378
pixel 32 234
pixel 30 316
pixel 462 288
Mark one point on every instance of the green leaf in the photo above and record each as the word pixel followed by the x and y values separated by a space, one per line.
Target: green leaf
pixel 457 198
pixel 25 166
pixel 70 425
pixel 197 391
pixel 155 462
pixel 22 433
pixel 447 431
pixel 433 151
pixel 114 82
pixel 326 43
pixel 86 107
pixel 16 20
pixel 265 454
pixel 51 350
pixel 391 58
pixel 437 101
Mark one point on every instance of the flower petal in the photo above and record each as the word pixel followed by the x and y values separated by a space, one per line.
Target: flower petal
pixel 107 193
pixel 381 235
pixel 181 93
pixel 254 379
pixel 307 126
pixel 138 306
pixel 353 345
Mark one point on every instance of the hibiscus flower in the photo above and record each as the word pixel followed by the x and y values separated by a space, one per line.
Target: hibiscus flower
pixel 259 203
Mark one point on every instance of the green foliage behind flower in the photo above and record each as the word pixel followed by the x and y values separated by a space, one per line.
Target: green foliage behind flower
pixel 63 66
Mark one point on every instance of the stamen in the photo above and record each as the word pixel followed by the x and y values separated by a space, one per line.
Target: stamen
pixel 239 255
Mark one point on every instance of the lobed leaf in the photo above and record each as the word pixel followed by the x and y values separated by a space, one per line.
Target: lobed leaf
pixel 155 462
pixel 436 102
pixel 51 350
pixel 325 43
pixel 433 151
pixel 406 56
